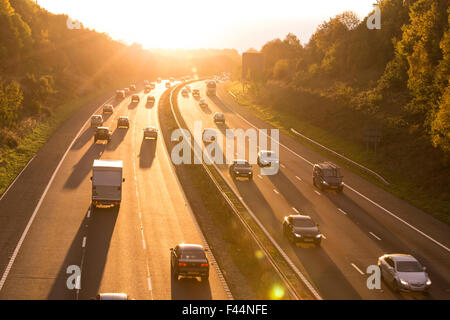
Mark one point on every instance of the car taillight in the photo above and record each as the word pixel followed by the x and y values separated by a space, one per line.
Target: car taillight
pixel 181 264
pixel 204 265
pixel 116 203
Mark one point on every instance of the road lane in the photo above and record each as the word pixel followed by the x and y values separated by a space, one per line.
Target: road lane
pixel 348 239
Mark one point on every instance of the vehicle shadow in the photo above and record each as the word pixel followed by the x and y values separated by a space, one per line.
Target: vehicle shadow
pixel 133 105
pixel 117 137
pixel 83 138
pixel 147 153
pixel 83 166
pixel 101 227
pixel 190 289
pixel 220 104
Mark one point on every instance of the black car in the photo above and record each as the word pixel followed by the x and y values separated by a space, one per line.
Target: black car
pixel 196 93
pixel 301 228
pixel 327 175
pixel 189 260
pixel 102 133
pixel 241 169
pixel 150 133
pixel 123 122
pixel 150 101
pixel 135 98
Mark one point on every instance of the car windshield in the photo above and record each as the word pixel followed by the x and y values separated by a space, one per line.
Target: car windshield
pixel 303 223
pixel 409 266
pixel 102 131
pixel 332 172
pixel 192 254
pixel 242 164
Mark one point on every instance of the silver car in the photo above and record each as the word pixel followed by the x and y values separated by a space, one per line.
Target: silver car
pixel 404 273
pixel 266 158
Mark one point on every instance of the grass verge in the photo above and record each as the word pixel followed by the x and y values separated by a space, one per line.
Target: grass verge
pixel 401 185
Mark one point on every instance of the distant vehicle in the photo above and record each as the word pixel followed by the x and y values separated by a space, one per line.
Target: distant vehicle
pixel 135 98
pixel 241 169
pixel 189 260
pixel 208 135
pixel 167 84
pixel 96 121
pixel 219 117
pixel 147 88
pixel 158 80
pixel 112 296
pixel 327 175
pixel 152 86
pixel 108 108
pixel 150 101
pixel 196 93
pixel 127 91
pixel 266 158
pixel 202 103
pixel 301 228
pixel 133 88
pixel 150 133
pixel 211 88
pixel 120 94
pixel 123 122
pixel 188 88
pixel 102 134
pixel 184 92
pixel 146 82
pixel 404 273
pixel 171 79
pixel 107 183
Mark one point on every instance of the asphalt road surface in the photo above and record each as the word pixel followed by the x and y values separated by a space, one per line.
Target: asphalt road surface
pixel 124 250
pixel 359 225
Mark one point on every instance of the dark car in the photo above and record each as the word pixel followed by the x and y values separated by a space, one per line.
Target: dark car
pixel 301 228
pixel 135 98
pixel 241 169
pixel 189 260
pixel 108 108
pixel 327 175
pixel 150 101
pixel 120 94
pixel 133 88
pixel 123 122
pixel 196 93
pixel 96 121
pixel 102 134
pixel 150 133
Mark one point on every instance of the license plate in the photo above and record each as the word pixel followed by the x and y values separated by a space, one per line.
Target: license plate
pixel 191 272
pixel 309 240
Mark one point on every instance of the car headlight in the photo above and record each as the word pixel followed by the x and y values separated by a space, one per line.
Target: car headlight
pixel 298 235
pixel 325 183
pixel 319 236
pixel 428 282
pixel 403 282
pixel 342 183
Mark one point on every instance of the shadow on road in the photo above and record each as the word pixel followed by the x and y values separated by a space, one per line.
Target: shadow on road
pixel 83 166
pixel 147 153
pixel 190 289
pixel 83 138
pixel 117 137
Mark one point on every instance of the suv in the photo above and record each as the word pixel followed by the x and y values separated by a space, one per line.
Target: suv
pixel 241 169
pixel 102 133
pixel 219 117
pixel 123 122
pixel 189 260
pixel 150 133
pixel 196 93
pixel 301 228
pixel 120 94
pixel 108 108
pixel 96 121
pixel 327 175
pixel 135 98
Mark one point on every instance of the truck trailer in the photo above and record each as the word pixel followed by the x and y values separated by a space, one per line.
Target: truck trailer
pixel 107 178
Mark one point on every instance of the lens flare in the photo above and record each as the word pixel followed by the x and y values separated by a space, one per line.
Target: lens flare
pixel 277 292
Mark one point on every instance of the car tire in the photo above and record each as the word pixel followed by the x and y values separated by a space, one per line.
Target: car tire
pixel 395 286
pixel 319 243
pixel 340 189
pixel 205 278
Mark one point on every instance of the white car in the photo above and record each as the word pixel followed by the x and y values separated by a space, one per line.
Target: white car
pixel 112 296
pixel 404 273
pixel 266 158
pixel 219 117
pixel 209 135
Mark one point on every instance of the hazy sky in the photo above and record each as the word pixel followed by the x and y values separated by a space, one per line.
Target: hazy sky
pixel 173 24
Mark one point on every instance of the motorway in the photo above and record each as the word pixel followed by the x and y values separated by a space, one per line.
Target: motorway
pixel 124 250
pixel 359 225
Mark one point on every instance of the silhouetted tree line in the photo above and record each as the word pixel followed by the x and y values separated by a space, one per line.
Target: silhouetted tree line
pixel 43 63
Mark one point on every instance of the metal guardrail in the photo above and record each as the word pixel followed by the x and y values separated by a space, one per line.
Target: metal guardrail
pixel 238 207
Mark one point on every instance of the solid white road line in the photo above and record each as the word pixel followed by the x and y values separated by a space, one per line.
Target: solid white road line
pixel 30 222
pixel 295 210
pixel 276 191
pixel 342 211
pixel 298 178
pixel 283 166
pixel 358 269
pixel 375 236
pixel 317 192
pixel 350 188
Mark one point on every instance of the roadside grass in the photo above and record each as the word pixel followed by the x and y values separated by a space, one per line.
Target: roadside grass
pixel 14 160
pixel 402 186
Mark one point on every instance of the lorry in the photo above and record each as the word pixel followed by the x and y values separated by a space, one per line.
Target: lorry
pixel 107 183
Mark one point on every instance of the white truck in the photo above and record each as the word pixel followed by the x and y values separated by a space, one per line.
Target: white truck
pixel 107 183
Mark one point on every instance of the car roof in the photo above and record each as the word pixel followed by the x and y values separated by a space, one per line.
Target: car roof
pixel 102 128
pixel 327 165
pixel 121 118
pixel 150 128
pixel 240 161
pixel 187 246
pixel 401 257
pixel 97 116
pixel 113 296
pixel 218 114
pixel 300 217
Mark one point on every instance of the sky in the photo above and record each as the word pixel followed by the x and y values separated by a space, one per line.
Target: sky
pixel 194 24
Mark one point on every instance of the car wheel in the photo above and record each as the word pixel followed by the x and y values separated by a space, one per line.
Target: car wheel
pixel 395 285
pixel 204 278
pixel 319 243
pixel 340 189
pixel 321 187
pixel 250 178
